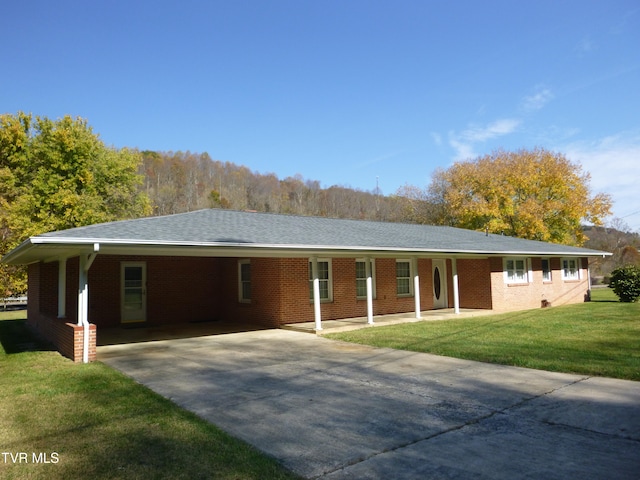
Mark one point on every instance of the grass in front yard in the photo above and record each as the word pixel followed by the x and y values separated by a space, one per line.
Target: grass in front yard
pixel 103 425
pixel 600 338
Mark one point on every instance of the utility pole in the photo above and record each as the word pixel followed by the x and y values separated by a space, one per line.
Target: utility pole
pixel 377 199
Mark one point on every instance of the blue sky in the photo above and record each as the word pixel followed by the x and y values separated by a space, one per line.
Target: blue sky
pixel 346 92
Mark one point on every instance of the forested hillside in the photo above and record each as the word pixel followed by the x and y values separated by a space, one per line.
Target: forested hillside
pixel 182 181
pixel 57 174
pixel 616 239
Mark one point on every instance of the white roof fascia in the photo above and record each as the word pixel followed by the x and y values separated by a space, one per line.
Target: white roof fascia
pixel 165 248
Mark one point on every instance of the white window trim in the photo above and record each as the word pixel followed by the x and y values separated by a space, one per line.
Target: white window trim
pixel 373 277
pixel 578 274
pixel 241 298
pixel 329 281
pixel 549 279
pixel 509 279
pixel 410 262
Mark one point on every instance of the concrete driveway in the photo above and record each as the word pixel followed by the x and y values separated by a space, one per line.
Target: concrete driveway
pixel 333 410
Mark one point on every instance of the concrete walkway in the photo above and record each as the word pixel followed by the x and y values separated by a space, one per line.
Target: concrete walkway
pixel 334 410
pixel 346 324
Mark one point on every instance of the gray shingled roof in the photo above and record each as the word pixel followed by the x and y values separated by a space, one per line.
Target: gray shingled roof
pixel 249 230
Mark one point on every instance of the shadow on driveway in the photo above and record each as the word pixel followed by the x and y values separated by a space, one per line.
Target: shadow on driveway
pixel 335 410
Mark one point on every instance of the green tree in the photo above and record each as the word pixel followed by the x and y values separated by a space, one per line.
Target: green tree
pixel 625 282
pixel 59 174
pixel 534 194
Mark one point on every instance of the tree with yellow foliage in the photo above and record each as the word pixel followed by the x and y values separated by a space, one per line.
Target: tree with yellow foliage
pixel 57 174
pixel 533 194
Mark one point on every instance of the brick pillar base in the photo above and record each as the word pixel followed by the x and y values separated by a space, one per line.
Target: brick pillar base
pixel 78 342
pixel 66 337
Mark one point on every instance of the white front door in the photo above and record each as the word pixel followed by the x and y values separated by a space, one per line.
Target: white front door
pixel 133 292
pixel 439 277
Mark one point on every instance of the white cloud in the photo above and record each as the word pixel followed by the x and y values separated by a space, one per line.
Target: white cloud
pixel 463 150
pixel 538 100
pixel 493 130
pixel 585 46
pixel 463 142
pixel 614 165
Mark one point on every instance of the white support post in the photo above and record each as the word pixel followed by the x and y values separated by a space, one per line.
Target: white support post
pixel 369 291
pixel 83 305
pixel 83 290
pixel 316 293
pixel 416 287
pixel 62 288
pixel 83 297
pixel 456 295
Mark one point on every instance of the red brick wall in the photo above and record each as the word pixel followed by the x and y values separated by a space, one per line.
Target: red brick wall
pixel 73 265
pixel 189 289
pixel 280 291
pixel 182 289
pixel 508 297
pixel 104 290
pixel 49 288
pixel 33 293
pixel 67 337
pixel 179 289
pixel 76 332
pixel 387 300
pixel 294 280
pixel 474 289
pixel 296 305
pixel 267 291
pixel 264 308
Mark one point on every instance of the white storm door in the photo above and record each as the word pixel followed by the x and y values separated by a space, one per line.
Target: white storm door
pixel 439 277
pixel 133 292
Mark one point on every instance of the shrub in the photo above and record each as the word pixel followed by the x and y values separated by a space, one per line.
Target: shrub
pixel 625 282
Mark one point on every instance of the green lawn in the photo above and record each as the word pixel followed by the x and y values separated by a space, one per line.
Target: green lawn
pixel 102 425
pixel 600 338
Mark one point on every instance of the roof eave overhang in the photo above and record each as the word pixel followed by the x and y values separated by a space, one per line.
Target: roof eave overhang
pixel 37 249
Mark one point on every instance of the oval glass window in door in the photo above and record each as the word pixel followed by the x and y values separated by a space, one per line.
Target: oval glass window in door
pixel 437 288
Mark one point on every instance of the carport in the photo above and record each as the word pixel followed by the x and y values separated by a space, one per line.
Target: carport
pixel 145 333
pixel 277 270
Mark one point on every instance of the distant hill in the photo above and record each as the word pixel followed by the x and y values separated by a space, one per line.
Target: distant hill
pixel 623 244
pixel 179 182
pixel 182 181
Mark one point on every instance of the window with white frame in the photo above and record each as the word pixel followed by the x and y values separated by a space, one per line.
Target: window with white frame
pixel 515 270
pixel 325 280
pixel 570 269
pixel 546 270
pixel 361 277
pixel 404 285
pixel 244 281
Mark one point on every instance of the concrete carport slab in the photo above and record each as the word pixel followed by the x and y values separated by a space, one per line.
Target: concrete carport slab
pixel 334 410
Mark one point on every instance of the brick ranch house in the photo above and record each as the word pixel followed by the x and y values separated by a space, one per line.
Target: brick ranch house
pixel 271 270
